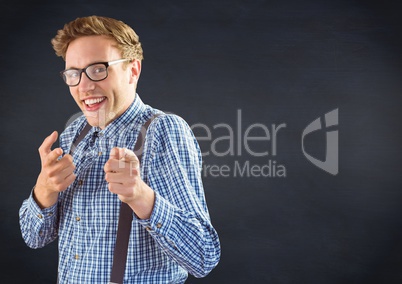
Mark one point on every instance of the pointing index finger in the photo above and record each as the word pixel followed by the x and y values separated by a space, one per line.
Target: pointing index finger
pixel 46 147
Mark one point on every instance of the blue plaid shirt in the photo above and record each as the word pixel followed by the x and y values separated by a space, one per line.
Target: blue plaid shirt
pixel 178 238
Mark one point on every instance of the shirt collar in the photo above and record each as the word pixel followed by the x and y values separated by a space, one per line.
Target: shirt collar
pixel 136 114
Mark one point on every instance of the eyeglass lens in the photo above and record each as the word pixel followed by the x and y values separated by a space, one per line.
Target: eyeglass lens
pixel 95 72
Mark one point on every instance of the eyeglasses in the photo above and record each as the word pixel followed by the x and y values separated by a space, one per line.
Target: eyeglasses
pixel 95 72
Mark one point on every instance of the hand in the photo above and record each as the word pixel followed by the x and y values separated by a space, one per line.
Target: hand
pixel 122 172
pixel 56 173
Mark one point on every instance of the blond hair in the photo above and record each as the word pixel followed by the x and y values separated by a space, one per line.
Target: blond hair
pixel 127 40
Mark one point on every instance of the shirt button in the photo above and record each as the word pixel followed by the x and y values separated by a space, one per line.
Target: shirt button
pixel 99 153
pixel 159 225
pixel 78 218
pixel 40 216
pixel 76 256
pixel 80 182
pixel 148 228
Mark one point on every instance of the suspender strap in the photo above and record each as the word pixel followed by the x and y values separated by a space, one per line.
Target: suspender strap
pixel 80 137
pixel 125 220
pixel 121 247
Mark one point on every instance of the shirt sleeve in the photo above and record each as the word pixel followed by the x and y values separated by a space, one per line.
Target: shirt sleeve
pixel 38 226
pixel 180 221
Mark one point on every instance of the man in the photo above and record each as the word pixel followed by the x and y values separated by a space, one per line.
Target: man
pixel 77 196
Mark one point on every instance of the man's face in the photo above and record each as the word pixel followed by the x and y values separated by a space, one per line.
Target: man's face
pixel 102 101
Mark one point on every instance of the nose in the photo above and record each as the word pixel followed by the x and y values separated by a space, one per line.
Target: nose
pixel 85 84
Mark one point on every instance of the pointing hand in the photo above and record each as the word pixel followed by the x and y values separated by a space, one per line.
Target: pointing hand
pixel 57 172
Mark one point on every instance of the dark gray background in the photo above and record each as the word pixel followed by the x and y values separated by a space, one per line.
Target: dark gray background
pixel 279 62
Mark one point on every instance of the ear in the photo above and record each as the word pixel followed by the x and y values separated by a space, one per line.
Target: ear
pixel 135 68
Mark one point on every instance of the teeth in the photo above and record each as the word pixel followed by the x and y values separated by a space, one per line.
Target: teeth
pixel 93 101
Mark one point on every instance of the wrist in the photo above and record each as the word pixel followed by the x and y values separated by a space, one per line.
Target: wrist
pixel 43 197
pixel 143 203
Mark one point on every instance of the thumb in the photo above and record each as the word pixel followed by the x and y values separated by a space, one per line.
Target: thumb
pixel 46 146
pixel 129 156
pixel 115 153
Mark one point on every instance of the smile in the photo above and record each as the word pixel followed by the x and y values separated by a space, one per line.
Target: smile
pixel 92 102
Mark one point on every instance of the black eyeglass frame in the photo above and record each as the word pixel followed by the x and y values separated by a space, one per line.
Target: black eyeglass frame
pixel 84 70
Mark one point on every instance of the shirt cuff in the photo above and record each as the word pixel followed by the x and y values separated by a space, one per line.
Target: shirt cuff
pixel 161 218
pixel 41 214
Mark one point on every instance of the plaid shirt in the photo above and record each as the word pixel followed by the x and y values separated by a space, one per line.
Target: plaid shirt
pixel 178 238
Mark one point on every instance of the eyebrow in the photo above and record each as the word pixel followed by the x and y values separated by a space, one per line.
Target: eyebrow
pixel 77 68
